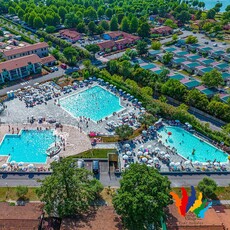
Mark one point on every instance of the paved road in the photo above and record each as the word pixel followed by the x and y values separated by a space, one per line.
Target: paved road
pixel 31 82
pixel 111 180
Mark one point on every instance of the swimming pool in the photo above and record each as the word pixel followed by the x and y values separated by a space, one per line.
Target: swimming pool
pixel 28 147
pixel 186 144
pixel 95 103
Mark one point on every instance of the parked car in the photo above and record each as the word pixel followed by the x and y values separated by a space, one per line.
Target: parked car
pixel 206 43
pixel 215 45
pixel 63 66
pixel 95 167
pixel 52 69
pixel 224 43
pixel 55 68
pixel 101 53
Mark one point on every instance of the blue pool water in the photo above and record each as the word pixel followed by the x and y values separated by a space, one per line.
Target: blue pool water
pixel 95 103
pixel 185 142
pixel 211 3
pixel 29 147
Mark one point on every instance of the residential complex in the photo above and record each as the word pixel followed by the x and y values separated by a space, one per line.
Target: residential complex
pixel 20 68
pixel 40 49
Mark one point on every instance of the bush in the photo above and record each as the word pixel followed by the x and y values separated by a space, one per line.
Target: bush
pixel 21 191
pixel 46 68
pixel 50 29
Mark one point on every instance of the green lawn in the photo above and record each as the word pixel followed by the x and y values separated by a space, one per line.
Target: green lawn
pixel 94 153
pixel 10 194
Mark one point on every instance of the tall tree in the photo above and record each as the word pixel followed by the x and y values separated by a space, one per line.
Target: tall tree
pixel 69 190
pixel 134 24
pixel 92 27
pixel 142 47
pixel 144 30
pixel 142 196
pixel 212 78
pixel 211 14
pixel 114 24
pixel 125 24
pixel 167 57
pixel 105 25
pixel 124 131
pixel 38 23
pixel 62 12
pixel 156 45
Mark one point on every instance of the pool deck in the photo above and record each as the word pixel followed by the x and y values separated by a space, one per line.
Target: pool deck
pixel 17 113
pixel 75 141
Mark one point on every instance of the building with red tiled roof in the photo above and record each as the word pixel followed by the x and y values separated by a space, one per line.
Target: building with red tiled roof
pixel 20 217
pixel 48 61
pixel 163 30
pixel 71 34
pixel 106 45
pixel 20 67
pixel 41 49
pixel 118 35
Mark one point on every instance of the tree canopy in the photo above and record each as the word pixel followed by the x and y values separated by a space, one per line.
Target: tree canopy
pixel 208 187
pixel 141 197
pixel 212 78
pixel 124 131
pixel 69 190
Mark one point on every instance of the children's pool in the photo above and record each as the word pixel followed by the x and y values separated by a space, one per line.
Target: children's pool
pixel 95 103
pixel 28 147
pixel 190 146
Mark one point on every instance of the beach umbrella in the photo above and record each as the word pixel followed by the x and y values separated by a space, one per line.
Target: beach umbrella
pixel 149 146
pixel 4 166
pixel 21 163
pixel 144 132
pixel 216 164
pixel 196 163
pixel 56 157
pixel 127 166
pixel 145 153
pixel 172 164
pixel 156 160
pixel 12 162
pixel 129 153
pixel 144 159
pixel 125 157
pixel 187 162
pixel 139 153
pixel 177 164
pixel 127 145
pixel 150 161
pixel 205 164
pixel 141 147
pixel 30 166
pixel 167 156
pixel 157 149
pixel 162 153
pixel 223 165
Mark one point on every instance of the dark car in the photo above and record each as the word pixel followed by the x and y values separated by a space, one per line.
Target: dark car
pixel 95 167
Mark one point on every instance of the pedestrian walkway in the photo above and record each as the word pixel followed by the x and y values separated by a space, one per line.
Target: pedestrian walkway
pixel 106 146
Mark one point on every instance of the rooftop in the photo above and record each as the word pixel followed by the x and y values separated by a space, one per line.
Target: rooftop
pixel 48 59
pixel 19 62
pixel 26 49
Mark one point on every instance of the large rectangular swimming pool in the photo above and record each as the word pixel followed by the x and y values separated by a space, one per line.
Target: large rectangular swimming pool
pixel 95 103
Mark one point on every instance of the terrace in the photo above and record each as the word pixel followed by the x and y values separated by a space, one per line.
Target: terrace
pixel 209 92
pixel 147 66
pixel 177 76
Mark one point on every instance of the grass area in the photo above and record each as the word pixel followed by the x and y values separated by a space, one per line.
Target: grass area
pixel 10 194
pixel 222 193
pixel 94 153
pixel 107 195
pixel 110 139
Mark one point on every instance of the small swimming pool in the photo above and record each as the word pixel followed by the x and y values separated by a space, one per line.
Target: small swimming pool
pixel 190 146
pixel 95 103
pixel 28 147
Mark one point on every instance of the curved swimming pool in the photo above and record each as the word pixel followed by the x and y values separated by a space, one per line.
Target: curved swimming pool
pixel 190 146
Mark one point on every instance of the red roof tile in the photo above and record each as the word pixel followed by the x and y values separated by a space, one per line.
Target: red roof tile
pixel 106 44
pixel 70 33
pixel 48 59
pixel 26 49
pixel 19 62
